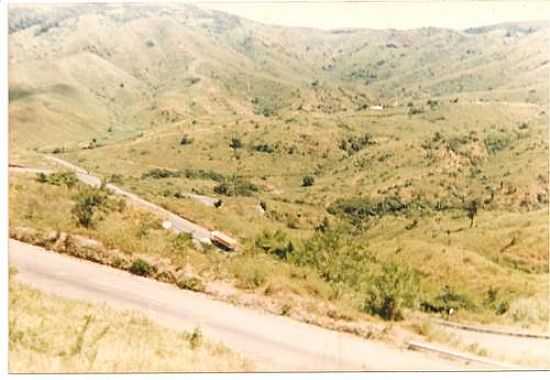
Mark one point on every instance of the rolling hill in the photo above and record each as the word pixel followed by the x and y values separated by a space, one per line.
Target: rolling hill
pixel 431 145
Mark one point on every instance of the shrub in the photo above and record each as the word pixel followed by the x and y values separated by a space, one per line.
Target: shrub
pixel 141 267
pixel 203 174
pixel 68 179
pixel 158 173
pixel 446 300
pixel 88 201
pixel 42 178
pixel 494 302
pixel 496 142
pixel 195 339
pixel 471 208
pixel 432 103
pixel 360 210
pixel 236 143
pixel 276 244
pixel 308 181
pixel 182 241
pixel 354 144
pixel 336 255
pixel 186 140
pixel 117 179
pixel 190 283
pixel 394 289
pixel 235 186
pixel 264 148
pixel 415 111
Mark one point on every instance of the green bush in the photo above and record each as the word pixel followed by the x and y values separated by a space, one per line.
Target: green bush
pixel 447 299
pixel 158 173
pixel 336 255
pixel 277 244
pixel 203 174
pixel 496 142
pixel 308 181
pixel 68 179
pixel 415 111
pixel 236 143
pixel 182 241
pixel 390 292
pixel 354 144
pixel 117 179
pixel 196 339
pixel 88 201
pixel 235 186
pixel 264 148
pixel 186 140
pixel 141 267
pixel 190 283
pixel 42 178
pixel 496 303
pixel 360 210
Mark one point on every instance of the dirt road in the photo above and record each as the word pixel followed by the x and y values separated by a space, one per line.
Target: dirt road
pixel 178 224
pixel 271 342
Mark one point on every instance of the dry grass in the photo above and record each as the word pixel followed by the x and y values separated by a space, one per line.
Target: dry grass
pixel 49 334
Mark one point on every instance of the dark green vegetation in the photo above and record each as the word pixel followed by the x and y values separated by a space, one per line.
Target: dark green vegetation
pixel 68 179
pixel 436 200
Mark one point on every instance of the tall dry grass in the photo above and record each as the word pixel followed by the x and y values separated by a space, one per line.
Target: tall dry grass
pixel 49 334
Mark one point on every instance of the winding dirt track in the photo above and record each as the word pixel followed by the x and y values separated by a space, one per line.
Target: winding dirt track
pixel 271 342
pixel 178 224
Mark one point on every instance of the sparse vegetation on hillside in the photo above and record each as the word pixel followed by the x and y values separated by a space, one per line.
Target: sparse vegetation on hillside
pixel 383 164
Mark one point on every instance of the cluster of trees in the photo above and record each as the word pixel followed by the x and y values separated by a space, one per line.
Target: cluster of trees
pixel 235 186
pixel 344 263
pixel 354 144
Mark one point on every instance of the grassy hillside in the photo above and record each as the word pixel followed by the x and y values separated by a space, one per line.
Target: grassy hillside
pixel 75 74
pixel 49 334
pixel 448 182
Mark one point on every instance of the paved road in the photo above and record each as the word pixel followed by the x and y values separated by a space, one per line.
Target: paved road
pixel 272 342
pixel 178 223
pixel 525 352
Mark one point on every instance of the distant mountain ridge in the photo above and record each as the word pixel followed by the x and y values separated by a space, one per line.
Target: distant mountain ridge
pixel 133 65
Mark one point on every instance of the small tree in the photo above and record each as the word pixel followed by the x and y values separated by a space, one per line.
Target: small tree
pixel 308 181
pixel 42 178
pixel 87 202
pixel 471 208
pixel 186 140
pixel 141 267
pixel 236 143
pixel 395 288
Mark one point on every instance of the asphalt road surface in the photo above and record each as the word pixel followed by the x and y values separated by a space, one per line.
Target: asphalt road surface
pixel 272 343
